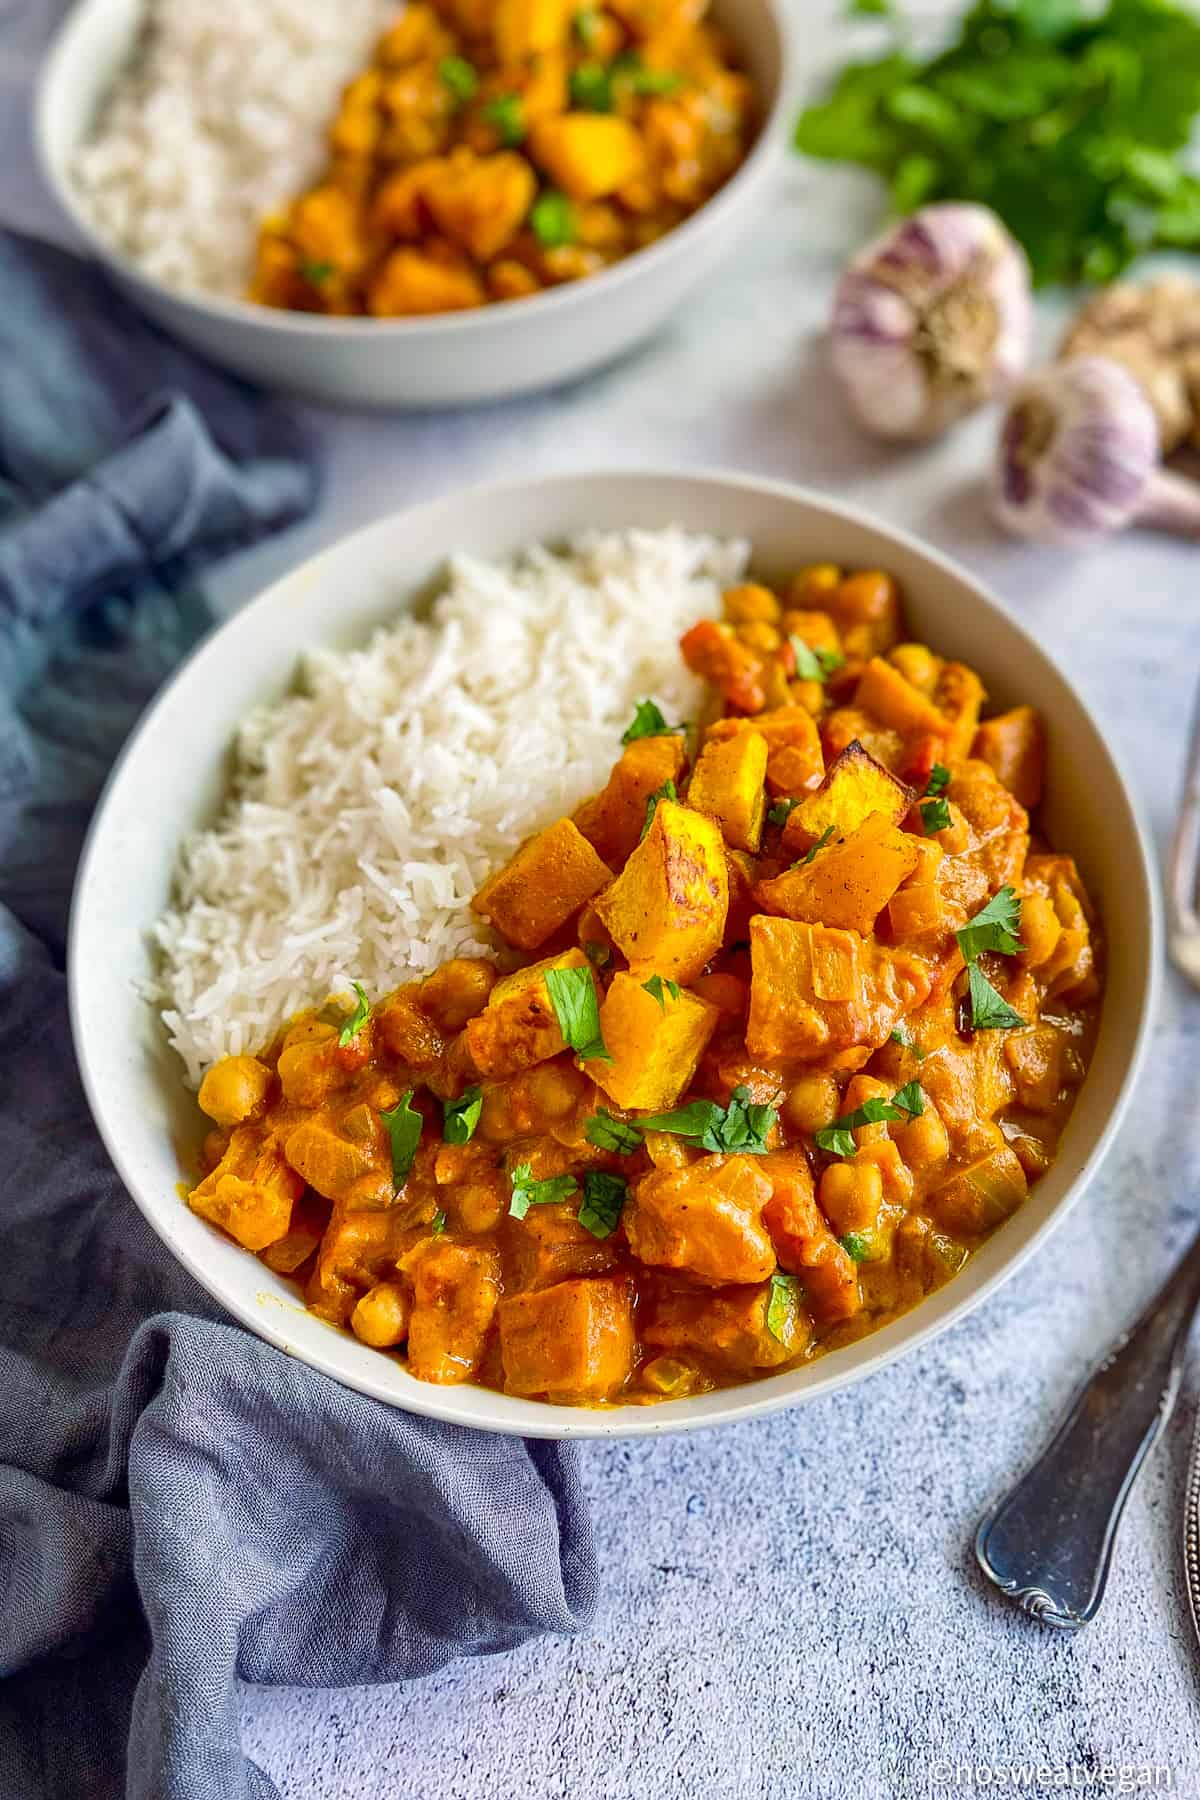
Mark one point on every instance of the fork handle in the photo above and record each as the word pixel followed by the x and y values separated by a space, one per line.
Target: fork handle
pixel 1048 1544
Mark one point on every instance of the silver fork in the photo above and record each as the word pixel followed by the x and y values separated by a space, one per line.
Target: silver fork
pixel 1048 1544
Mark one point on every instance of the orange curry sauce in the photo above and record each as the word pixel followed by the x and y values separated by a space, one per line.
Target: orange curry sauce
pixel 757 1084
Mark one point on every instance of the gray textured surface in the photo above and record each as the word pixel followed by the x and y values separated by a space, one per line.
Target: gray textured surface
pixel 791 1605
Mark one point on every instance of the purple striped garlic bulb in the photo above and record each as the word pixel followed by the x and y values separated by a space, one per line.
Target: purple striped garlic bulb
pixel 931 320
pixel 1078 459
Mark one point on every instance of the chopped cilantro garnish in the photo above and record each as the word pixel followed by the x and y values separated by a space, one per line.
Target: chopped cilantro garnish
pixel 506 116
pixel 665 792
pixel 990 1011
pixel 655 986
pixel 814 665
pixel 781 812
pixel 404 1126
pixel 459 77
pixel 993 928
pixel 461 1116
pixel 856 1246
pixel 838 1139
pixel 787 1291
pixel 587 24
pixel 656 81
pixel 939 778
pixel 591 88
pixel 607 1133
pixel 599 955
pixel 935 816
pixel 553 220
pixel 604 1196
pixel 648 721
pixel 903 1036
pixel 740 1127
pixel 820 844
pixel 573 997
pixel 438 1224
pixel 527 1192
pixel 358 1017
pixel 316 273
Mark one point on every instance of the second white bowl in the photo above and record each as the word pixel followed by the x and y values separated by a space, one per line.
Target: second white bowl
pixel 453 359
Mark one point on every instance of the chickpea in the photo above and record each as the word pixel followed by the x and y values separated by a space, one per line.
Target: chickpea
pixel 496 1122
pixel 808 694
pixel 851 1196
pixel 480 1205
pixel 381 1316
pixel 235 1089
pixel 917 664
pixel 811 585
pixel 866 598
pixel 1040 930
pixel 458 991
pixel 811 1103
pixel 749 604
pixel 308 1071
pixel 922 1141
pixel 554 1089
pixel 760 636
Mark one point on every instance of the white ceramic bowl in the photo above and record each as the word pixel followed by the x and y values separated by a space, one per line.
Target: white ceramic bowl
pixel 457 358
pixel 172 775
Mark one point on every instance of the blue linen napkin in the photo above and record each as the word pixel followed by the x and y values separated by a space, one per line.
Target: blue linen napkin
pixel 180 1504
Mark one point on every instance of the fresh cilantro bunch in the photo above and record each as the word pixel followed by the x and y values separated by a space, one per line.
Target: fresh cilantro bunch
pixel 1065 117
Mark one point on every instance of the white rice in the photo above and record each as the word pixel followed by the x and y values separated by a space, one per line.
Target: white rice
pixel 219 119
pixel 367 808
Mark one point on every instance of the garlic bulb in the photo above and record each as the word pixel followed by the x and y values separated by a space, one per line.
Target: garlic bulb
pixel 1078 459
pixel 930 320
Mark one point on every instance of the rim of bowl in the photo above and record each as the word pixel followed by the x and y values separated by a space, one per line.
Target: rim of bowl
pixel 746 1400
pixel 740 186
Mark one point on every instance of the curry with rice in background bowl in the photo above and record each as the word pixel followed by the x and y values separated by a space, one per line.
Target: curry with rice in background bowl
pixel 776 1029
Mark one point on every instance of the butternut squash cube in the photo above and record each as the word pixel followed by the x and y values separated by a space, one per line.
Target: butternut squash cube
pixel 855 786
pixel 411 282
pixel 479 202
pixel 815 991
pixel 666 910
pixel 612 820
pixel 455 1293
pixel 538 889
pixel 847 883
pixel 803 1241
pixel 573 1341
pixel 727 783
pixel 706 1218
pixel 886 695
pixel 251 1192
pixel 587 155
pixel 521 28
pixel 519 1026
pixel 795 762
pixel 1013 745
pixel 728 1326
pixel 654 1048
pixel 958 696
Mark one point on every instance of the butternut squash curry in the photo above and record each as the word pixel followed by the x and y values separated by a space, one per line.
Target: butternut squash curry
pixel 800 1011
pixel 494 148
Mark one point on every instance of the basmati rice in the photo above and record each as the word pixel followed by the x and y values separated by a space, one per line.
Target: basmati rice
pixel 219 118
pixel 367 808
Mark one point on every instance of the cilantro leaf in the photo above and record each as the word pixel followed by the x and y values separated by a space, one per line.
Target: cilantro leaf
pixel 665 792
pixel 935 816
pixel 506 116
pixel 527 1192
pixel 587 23
pixel 404 1126
pixel 591 88
pixel 573 997
pixel 743 1129
pixel 459 77
pixel 438 1223
pixel 803 861
pixel 315 273
pixel 787 1294
pixel 814 665
pixel 607 1133
pixel 654 987
pixel 648 721
pixel 900 1034
pixel 838 1139
pixel 990 1011
pixel 857 1246
pixel 781 812
pixel 461 1116
pixel 604 1196
pixel 690 1121
pixel 939 779
pixel 358 1017
pixel 994 927
pixel 553 220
